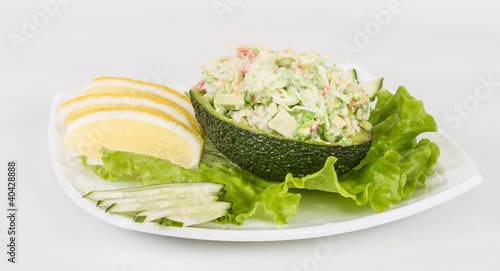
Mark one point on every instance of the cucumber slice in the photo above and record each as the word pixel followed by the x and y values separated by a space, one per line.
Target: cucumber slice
pixel 351 73
pixel 109 202
pixel 182 211
pixel 159 204
pixel 197 201
pixel 372 87
pixel 188 220
pixel 145 191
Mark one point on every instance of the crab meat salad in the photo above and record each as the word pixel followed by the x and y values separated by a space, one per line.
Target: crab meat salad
pixel 286 93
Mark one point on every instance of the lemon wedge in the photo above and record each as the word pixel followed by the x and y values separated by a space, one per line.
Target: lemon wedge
pixel 136 129
pixel 130 86
pixel 107 100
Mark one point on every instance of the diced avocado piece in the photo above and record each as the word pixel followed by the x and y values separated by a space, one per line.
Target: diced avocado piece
pixel 273 157
pixel 372 87
pixel 284 124
pixel 365 125
pixel 351 73
pixel 230 101
pixel 338 122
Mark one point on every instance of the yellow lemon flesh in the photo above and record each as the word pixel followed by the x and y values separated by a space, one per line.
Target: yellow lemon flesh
pixel 133 129
pixel 88 102
pixel 130 86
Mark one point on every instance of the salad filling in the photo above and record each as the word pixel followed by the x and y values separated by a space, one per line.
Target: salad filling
pixel 286 93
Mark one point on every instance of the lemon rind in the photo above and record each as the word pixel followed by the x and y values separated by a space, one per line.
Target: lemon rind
pixel 155 89
pixel 96 99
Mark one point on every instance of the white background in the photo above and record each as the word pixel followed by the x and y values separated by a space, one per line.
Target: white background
pixel 440 50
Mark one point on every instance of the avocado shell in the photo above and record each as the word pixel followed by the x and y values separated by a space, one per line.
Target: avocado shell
pixel 273 157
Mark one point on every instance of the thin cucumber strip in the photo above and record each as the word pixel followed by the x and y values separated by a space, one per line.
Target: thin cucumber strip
pixel 139 188
pixel 160 204
pixel 193 219
pixel 109 202
pixel 172 188
pixel 156 214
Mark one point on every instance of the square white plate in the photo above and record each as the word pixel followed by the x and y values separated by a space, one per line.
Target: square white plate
pixel 319 214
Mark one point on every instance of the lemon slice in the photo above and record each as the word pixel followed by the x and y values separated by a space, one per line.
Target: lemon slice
pixel 125 85
pixel 133 129
pixel 106 100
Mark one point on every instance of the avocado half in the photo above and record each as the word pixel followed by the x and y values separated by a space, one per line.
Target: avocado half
pixel 273 157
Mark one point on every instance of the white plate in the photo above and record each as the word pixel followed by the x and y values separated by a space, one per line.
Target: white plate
pixel 320 214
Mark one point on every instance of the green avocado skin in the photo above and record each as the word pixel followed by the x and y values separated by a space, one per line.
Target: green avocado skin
pixel 268 156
